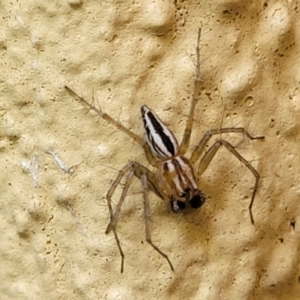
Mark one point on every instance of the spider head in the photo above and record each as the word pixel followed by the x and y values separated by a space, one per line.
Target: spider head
pixel 198 200
pixel 195 199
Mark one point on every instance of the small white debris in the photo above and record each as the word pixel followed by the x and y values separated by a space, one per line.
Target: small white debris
pixel 60 163
pixel 32 167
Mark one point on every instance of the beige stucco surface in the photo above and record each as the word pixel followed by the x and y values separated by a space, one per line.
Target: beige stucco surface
pixel 125 54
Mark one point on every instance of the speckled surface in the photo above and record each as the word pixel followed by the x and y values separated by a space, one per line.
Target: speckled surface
pixel 53 244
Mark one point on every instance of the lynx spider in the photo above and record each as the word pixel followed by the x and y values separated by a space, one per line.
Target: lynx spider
pixel 176 179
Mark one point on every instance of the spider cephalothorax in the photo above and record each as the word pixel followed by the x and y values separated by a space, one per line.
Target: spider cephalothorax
pixel 177 177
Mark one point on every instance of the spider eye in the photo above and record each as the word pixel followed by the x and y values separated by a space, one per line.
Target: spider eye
pixel 198 200
pixel 177 206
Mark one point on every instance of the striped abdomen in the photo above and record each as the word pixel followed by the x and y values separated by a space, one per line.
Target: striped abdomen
pixel 160 139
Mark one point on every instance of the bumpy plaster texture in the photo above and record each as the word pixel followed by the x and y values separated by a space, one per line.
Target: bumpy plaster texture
pixel 57 161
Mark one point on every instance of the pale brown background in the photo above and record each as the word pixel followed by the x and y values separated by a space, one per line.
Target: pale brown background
pixel 125 54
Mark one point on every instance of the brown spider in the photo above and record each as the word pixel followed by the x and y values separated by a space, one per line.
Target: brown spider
pixel 176 179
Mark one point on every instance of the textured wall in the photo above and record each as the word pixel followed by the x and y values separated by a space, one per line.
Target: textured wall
pixel 53 244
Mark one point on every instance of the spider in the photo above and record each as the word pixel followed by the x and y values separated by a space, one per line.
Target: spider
pixel 176 179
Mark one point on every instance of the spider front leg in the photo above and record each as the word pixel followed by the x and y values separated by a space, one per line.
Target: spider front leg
pixel 148 181
pixel 144 180
pixel 206 159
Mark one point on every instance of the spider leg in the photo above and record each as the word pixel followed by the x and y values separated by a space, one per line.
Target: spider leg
pixel 206 159
pixel 150 157
pixel 189 124
pixel 114 217
pixel 132 169
pixel 138 170
pixel 199 149
pixel 144 180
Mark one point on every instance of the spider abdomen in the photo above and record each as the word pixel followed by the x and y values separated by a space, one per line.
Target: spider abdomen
pixel 161 140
